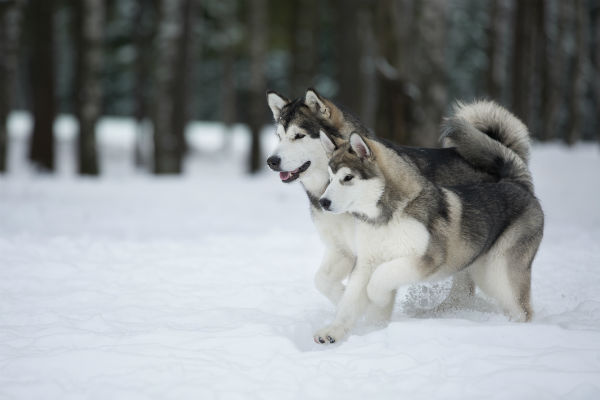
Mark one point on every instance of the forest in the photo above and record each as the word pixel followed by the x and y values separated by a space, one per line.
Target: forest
pixel 147 251
pixel 398 65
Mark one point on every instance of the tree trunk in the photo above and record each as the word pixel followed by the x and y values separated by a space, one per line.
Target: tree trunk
pixel 181 94
pixel 393 113
pixel 88 83
pixel 521 85
pixel 143 35
pixel 42 83
pixel 541 71
pixel 228 94
pixel 348 54
pixel 411 73
pixel 430 70
pixel 492 73
pixel 556 71
pixel 228 24
pixel 167 146
pixel 258 51
pixel 368 76
pixel 595 18
pixel 10 26
pixel 303 50
pixel 577 83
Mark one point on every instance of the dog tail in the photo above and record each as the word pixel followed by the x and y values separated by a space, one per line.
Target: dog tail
pixel 491 138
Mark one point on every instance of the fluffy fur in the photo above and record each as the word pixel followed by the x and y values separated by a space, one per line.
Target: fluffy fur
pixel 485 120
pixel 308 116
pixel 410 229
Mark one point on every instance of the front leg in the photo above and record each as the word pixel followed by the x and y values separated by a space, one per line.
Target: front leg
pixel 335 267
pixel 379 316
pixel 351 307
pixel 393 274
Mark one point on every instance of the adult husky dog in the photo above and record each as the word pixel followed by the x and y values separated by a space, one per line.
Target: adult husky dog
pixel 410 228
pixel 300 157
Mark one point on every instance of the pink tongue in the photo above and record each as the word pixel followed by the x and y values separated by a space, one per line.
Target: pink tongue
pixel 284 175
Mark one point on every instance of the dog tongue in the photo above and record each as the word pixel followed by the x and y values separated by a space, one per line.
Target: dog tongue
pixel 284 175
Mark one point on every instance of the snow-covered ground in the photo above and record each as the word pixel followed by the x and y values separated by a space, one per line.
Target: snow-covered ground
pixel 200 286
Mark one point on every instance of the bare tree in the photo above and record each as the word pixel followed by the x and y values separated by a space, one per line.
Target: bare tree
pixel 230 30
pixel 577 83
pixel 352 36
pixel 167 136
pixel 89 22
pixel 303 44
pixel 556 72
pixel 144 31
pixel 493 70
pixel 10 26
pixel 42 82
pixel 368 76
pixel 541 70
pixel 181 89
pixel 595 46
pixel 393 114
pixel 430 71
pixel 412 87
pixel 522 59
pixel 258 51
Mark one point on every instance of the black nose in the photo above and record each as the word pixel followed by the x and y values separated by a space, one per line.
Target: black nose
pixel 325 203
pixel 273 162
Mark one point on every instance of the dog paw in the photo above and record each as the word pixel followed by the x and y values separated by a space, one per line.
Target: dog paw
pixel 331 334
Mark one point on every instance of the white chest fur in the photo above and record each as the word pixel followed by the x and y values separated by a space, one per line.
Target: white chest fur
pixel 336 230
pixel 400 237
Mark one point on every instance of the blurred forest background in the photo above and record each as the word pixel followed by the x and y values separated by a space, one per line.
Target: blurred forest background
pixel 396 64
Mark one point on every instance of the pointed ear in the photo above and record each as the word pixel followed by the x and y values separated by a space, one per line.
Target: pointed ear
pixel 360 146
pixel 327 143
pixel 316 103
pixel 276 103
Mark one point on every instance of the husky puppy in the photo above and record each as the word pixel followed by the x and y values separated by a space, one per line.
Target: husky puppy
pixel 300 157
pixel 410 228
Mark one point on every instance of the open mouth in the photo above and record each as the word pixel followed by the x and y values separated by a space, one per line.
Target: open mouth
pixel 290 176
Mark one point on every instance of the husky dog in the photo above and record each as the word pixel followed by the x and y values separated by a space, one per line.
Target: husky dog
pixel 410 228
pixel 301 157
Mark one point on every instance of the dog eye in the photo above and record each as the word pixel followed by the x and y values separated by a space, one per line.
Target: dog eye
pixel 348 178
pixel 298 136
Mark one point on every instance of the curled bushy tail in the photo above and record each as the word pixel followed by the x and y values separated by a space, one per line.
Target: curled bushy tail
pixel 491 138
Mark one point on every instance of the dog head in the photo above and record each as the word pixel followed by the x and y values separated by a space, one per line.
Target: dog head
pixel 356 182
pixel 299 154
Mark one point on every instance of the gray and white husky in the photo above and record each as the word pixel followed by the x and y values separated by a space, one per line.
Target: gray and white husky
pixel 300 157
pixel 410 228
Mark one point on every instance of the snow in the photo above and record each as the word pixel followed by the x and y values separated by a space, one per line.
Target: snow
pixel 200 286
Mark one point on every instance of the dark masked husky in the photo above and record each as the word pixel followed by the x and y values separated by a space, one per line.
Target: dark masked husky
pixel 410 228
pixel 300 157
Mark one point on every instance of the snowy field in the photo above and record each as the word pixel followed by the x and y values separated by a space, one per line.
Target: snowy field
pixel 134 287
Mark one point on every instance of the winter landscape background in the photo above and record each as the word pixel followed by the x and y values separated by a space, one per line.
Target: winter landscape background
pixel 201 286
pixel 146 252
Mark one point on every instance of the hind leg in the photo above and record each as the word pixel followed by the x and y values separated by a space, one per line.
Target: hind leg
pixel 505 271
pixel 508 280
